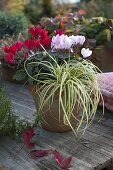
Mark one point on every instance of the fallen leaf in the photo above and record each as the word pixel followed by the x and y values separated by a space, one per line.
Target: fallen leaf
pixel 57 157
pixel 39 153
pixel 66 163
pixel 63 163
pixel 27 136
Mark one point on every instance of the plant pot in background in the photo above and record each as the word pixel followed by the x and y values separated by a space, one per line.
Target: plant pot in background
pixel 50 115
pixel 8 73
pixel 103 59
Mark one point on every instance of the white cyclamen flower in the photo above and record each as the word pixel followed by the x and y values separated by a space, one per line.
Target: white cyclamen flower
pixel 65 42
pixel 86 52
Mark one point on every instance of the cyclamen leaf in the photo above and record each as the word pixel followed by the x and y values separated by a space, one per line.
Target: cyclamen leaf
pixel 38 153
pixel 63 163
pixel 27 136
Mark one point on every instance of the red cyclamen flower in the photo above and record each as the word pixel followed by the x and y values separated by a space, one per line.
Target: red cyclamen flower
pixel 46 41
pixel 26 55
pixel 19 45
pixel 29 44
pixel 59 32
pixel 35 31
pixel 9 58
pixel 38 32
pixel 10 49
pixel 6 49
pixel 43 33
pixel 37 43
pixel 13 49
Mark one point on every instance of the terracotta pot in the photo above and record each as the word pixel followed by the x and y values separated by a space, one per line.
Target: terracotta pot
pixel 50 116
pixel 8 73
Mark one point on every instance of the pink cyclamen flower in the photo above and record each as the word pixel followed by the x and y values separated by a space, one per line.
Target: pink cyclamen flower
pixel 86 52
pixel 61 42
pixel 59 32
pixel 66 42
pixel 78 39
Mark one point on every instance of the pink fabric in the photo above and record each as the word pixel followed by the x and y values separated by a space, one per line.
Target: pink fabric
pixel 106 85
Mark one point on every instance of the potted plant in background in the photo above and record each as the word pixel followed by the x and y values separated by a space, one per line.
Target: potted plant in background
pixel 64 84
pixel 101 30
pixel 97 30
pixel 15 52
pixel 10 25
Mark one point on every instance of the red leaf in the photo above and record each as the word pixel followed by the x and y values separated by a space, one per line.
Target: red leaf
pixel 63 163
pixel 27 136
pixel 38 153
pixel 66 163
pixel 58 157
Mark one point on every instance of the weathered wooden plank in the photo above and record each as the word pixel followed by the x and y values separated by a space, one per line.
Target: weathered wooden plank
pixel 23 111
pixel 73 147
pixel 93 151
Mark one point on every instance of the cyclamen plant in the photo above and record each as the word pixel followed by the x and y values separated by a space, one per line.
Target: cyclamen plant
pixel 37 42
pixel 61 42
pixel 17 52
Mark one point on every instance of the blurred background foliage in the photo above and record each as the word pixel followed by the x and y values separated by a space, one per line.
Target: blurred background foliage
pixel 12 24
pixel 36 9
pixel 97 8
pixel 17 14
pixel 79 17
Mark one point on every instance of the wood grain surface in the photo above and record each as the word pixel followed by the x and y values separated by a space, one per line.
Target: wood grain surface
pixel 91 151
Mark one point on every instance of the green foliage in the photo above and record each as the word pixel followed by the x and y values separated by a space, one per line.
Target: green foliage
pixel 99 28
pixel 14 6
pixel 20 75
pixel 35 10
pixel 68 22
pixel 12 24
pixel 9 123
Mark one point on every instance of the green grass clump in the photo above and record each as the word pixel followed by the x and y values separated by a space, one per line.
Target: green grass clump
pixel 75 82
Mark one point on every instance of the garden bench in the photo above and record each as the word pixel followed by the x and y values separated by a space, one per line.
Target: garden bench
pixel 93 151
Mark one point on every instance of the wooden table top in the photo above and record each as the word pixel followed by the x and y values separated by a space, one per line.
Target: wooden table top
pixel 93 151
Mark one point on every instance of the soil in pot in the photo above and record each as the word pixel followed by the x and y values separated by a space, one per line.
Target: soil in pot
pixel 50 114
